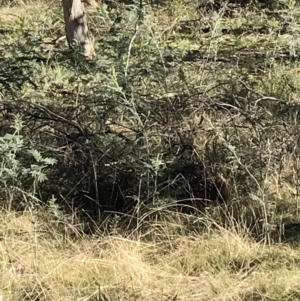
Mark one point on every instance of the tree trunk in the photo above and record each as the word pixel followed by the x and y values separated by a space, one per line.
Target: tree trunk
pixel 76 25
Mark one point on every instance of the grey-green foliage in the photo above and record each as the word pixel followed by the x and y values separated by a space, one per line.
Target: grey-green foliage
pixel 22 167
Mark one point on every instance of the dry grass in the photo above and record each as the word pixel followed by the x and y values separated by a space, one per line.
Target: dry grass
pixel 39 257
pixel 39 263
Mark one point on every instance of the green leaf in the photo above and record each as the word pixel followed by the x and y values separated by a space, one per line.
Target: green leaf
pixel 37 156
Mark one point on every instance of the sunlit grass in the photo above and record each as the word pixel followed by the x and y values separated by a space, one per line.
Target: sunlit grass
pixel 45 258
pixel 218 265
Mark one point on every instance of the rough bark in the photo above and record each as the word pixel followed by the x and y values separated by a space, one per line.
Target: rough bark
pixel 76 25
